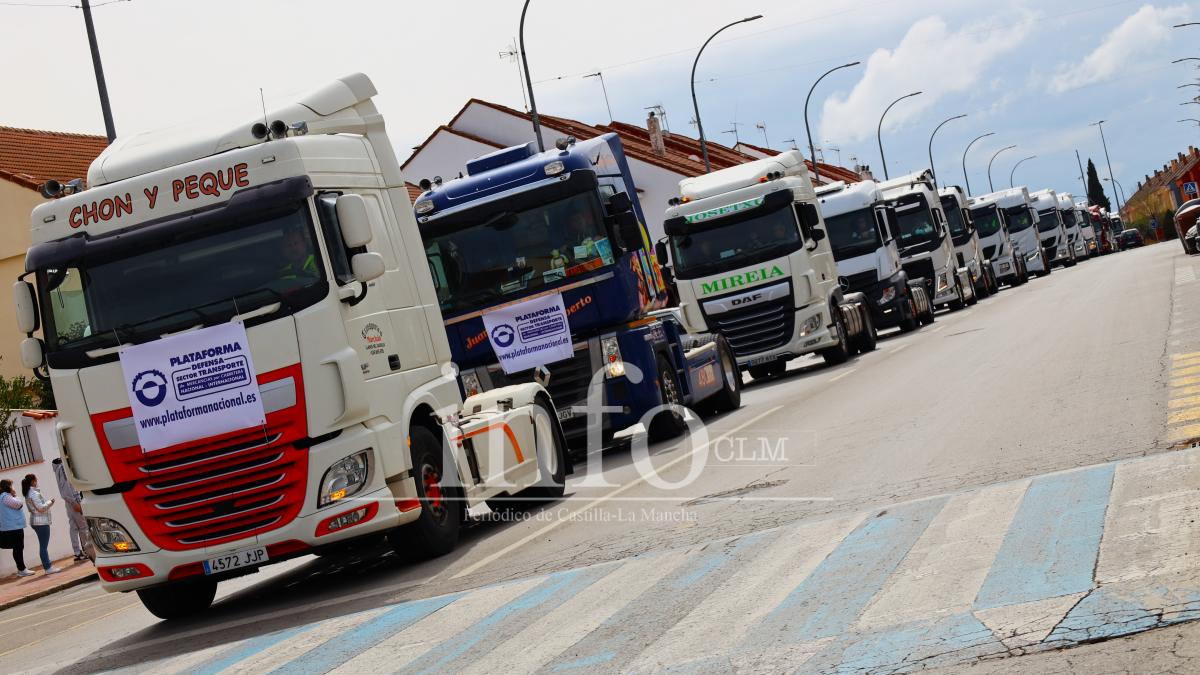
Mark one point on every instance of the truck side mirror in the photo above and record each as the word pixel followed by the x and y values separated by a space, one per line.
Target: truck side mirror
pixel 27 318
pixel 818 234
pixel 660 252
pixel 619 203
pixel 367 266
pixel 629 229
pixel 32 354
pixel 354 220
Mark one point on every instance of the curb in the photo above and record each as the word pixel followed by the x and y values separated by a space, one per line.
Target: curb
pixel 47 591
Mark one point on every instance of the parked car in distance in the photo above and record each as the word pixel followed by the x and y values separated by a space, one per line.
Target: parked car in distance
pixel 1185 225
pixel 1189 241
pixel 1131 238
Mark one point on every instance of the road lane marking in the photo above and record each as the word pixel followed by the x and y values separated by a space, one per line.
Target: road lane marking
pixel 1181 363
pixel 1185 381
pixel 937 330
pixel 847 373
pixel 48 635
pixel 1189 415
pixel 947 566
pixel 1182 372
pixel 1184 402
pixel 896 349
pixel 1052 546
pixel 1186 391
pixel 1189 355
pixel 285 645
pixel 553 525
pixel 1183 433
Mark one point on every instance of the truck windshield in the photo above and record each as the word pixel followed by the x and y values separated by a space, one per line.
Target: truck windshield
pixel 853 234
pixel 954 217
pixel 201 279
pixel 513 252
pixel 987 220
pixel 1019 218
pixel 743 241
pixel 917 228
pixel 1049 220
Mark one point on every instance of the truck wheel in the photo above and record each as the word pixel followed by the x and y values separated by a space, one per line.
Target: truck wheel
pixel 959 300
pixel 910 322
pixel 869 337
pixel 179 600
pixel 666 424
pixel 435 532
pixel 927 317
pixel 551 448
pixel 730 396
pixel 839 353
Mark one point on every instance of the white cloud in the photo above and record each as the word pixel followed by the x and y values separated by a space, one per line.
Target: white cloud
pixel 1138 36
pixel 954 61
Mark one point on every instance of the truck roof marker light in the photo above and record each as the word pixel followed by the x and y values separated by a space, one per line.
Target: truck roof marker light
pixel 424 206
pixel 684 200
pixel 299 128
pixel 554 168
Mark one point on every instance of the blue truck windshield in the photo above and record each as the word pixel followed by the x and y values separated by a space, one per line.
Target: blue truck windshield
pixel 141 293
pixel 1049 220
pixel 738 242
pixel 987 220
pixel 509 254
pixel 1019 218
pixel 853 234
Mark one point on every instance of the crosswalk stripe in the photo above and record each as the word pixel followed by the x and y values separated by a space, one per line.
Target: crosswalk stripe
pixel 1189 355
pixel 1188 415
pixel 1183 402
pixel 945 569
pixel 722 620
pixel 1183 433
pixel 1186 391
pixel 231 654
pixel 1183 363
pixel 386 647
pixel 1184 381
pixel 472 643
pixel 285 650
pixel 1153 524
pixel 554 632
pixel 1185 371
pixel 854 572
pixel 1051 547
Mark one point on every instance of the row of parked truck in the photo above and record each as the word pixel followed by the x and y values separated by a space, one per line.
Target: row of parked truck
pixel 261 348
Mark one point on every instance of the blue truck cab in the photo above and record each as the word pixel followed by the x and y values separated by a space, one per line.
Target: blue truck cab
pixel 519 226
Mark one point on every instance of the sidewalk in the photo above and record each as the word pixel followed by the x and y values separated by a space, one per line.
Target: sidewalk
pixel 18 590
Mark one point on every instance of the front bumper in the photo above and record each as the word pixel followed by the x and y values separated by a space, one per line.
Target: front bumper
pixel 1004 268
pixel 799 345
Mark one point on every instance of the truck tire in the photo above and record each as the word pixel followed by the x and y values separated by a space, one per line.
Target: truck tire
pixel 959 301
pixel 839 353
pixel 867 340
pixel 928 317
pixel 730 396
pixel 666 424
pixel 435 532
pixel 551 451
pixel 910 322
pixel 179 600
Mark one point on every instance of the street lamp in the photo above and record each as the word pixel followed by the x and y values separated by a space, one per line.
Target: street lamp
pixel 1119 188
pixel 935 130
pixel 993 159
pixel 1189 84
pixel 879 130
pixel 1108 161
pixel 812 154
pixel 533 114
pixel 964 161
pixel 1187 58
pixel 1012 174
pixel 1190 23
pixel 1189 119
pixel 695 104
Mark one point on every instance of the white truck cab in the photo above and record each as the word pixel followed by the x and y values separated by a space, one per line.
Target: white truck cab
pixel 1021 219
pixel 999 247
pixel 751 261
pixel 862 232
pixel 1073 224
pixel 966 240
pixel 1087 229
pixel 926 250
pixel 1052 230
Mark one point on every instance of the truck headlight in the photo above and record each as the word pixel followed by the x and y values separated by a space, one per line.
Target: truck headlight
pixel 345 478
pixel 887 296
pixel 1032 256
pixel 943 282
pixel 611 350
pixel 470 383
pixel 423 206
pixel 810 325
pixel 110 537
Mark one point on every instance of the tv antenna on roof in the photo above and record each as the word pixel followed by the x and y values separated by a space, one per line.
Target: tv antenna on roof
pixel 512 55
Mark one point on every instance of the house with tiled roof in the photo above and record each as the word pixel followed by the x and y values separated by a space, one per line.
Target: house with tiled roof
pixel 658 159
pixel 28 158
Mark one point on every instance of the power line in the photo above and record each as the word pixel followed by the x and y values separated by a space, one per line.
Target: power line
pixel 49 5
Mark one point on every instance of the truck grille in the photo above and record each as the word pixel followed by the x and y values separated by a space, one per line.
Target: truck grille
pixel 989 252
pixel 218 490
pixel 858 282
pixel 569 379
pixel 920 269
pixel 757 328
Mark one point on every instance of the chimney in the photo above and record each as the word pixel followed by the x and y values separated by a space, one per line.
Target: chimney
pixel 656 135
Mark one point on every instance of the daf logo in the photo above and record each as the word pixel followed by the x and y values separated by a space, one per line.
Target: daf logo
pixel 746 299
pixel 844 283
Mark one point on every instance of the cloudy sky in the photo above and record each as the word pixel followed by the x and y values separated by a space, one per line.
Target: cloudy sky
pixel 1035 73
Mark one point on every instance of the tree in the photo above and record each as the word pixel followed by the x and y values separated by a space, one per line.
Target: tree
pixel 16 393
pixel 1096 196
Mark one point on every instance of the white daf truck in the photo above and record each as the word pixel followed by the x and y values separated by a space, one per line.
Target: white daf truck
pixel 249 360
pixel 1052 229
pixel 862 233
pixel 966 241
pixel 751 261
pixel 1087 230
pixel 1073 225
pixel 1021 219
pixel 926 250
pixel 999 248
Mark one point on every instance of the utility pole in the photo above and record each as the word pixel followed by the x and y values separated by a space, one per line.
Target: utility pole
pixel 109 128
pixel 603 88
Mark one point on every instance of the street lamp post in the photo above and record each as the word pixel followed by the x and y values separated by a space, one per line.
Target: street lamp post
pixel 1107 161
pixel 1187 58
pixel 879 130
pixel 533 114
pixel 1012 174
pixel 1120 188
pixel 932 169
pixel 991 187
pixel 695 104
pixel 105 108
pixel 966 179
pixel 812 154
pixel 1189 119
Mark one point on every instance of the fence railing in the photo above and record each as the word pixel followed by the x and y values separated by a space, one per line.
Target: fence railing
pixel 16 449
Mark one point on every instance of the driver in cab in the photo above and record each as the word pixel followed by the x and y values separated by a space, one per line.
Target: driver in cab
pixel 301 262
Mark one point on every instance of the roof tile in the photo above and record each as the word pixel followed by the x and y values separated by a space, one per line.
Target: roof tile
pixel 30 157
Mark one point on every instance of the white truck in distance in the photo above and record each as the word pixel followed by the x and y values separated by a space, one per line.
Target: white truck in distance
pixel 1021 220
pixel 1073 223
pixel 1007 265
pixel 1052 230
pixel 298 239
pixel 926 250
pixel 751 261
pixel 1087 229
pixel 966 241
pixel 862 233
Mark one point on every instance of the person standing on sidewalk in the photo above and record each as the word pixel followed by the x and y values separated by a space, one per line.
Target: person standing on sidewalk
pixel 39 519
pixel 74 500
pixel 12 526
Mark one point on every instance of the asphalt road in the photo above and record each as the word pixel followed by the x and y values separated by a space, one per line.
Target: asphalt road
pixel 1067 371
